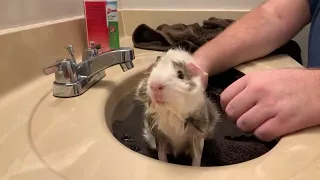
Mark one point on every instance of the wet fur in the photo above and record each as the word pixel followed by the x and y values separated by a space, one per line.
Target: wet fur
pixel 187 118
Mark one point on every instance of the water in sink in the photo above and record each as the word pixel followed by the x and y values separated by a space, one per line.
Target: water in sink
pixel 230 145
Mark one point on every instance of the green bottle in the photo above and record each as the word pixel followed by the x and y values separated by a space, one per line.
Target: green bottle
pixel 112 23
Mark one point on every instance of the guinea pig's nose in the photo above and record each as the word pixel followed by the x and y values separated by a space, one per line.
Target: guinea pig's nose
pixel 156 87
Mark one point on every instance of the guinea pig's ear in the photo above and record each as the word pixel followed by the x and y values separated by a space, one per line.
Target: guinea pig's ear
pixel 195 70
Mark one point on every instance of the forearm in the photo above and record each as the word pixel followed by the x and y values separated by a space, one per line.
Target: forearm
pixel 255 35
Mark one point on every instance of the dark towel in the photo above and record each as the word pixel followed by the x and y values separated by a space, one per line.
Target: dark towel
pixel 190 37
pixel 229 146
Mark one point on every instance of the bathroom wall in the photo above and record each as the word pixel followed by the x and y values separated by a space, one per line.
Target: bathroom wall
pixel 301 38
pixel 15 13
pixel 198 4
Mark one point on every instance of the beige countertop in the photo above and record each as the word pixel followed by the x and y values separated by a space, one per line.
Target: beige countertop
pixel 43 137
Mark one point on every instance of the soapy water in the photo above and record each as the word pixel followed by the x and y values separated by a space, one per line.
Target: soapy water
pixel 229 146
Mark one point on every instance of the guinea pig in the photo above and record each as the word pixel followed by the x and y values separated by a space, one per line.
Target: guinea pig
pixel 178 114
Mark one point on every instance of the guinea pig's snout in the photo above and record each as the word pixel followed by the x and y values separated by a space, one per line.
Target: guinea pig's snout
pixel 156 87
pixel 157 92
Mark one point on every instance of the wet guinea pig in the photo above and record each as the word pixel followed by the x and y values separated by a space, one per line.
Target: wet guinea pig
pixel 178 114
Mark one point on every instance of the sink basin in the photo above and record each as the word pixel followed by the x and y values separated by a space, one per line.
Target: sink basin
pixel 77 138
pixel 229 146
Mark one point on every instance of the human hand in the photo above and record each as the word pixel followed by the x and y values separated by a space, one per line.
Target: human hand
pixel 274 103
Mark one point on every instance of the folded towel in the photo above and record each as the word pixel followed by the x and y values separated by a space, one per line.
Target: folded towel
pixel 190 37
pixel 229 146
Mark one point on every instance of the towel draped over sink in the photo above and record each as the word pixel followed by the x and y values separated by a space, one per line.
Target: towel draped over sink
pixel 191 36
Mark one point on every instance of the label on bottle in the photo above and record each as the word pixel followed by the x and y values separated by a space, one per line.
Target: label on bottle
pixel 112 12
pixel 112 20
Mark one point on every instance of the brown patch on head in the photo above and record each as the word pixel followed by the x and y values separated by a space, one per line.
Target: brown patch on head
pixel 180 67
pixel 184 74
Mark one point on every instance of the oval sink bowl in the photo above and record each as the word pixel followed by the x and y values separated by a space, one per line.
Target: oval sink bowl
pixel 229 145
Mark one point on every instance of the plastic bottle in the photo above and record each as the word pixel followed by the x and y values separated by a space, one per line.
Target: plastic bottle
pixel 112 23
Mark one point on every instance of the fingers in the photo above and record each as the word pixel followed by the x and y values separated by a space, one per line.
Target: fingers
pixel 276 127
pixel 255 117
pixel 237 99
pixel 232 91
pixel 240 105
pixel 269 130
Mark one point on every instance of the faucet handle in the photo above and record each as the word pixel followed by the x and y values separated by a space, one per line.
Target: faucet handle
pixel 91 44
pixel 71 52
pixel 64 69
pixel 92 51
pixel 95 48
pixel 52 68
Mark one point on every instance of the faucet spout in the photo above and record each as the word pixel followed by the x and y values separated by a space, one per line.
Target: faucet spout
pixel 122 56
pixel 74 79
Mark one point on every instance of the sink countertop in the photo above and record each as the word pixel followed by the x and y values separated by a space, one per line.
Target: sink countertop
pixel 20 161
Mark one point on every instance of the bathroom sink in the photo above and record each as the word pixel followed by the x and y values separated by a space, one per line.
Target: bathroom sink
pixel 80 138
pixel 229 146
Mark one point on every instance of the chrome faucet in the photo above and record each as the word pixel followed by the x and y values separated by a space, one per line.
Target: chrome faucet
pixel 72 79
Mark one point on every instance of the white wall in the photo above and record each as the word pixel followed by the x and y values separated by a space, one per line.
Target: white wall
pixel 15 13
pixel 301 38
pixel 185 4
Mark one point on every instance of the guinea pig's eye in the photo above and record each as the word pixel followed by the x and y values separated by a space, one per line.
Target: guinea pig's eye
pixel 180 75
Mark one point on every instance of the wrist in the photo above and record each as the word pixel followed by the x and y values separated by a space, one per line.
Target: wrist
pixel 202 62
pixel 212 62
